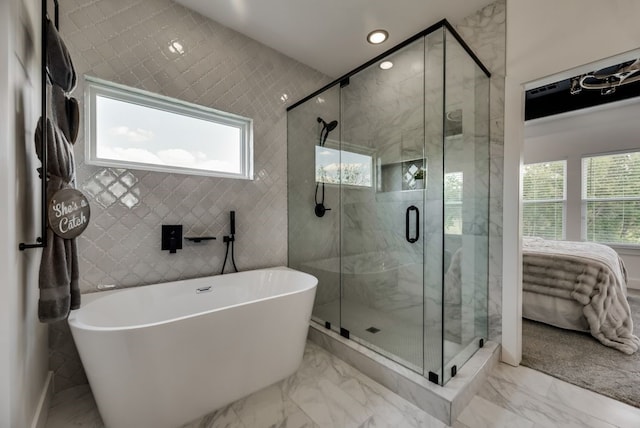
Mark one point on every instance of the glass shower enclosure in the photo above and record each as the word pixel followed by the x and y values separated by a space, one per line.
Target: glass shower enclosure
pixel 388 196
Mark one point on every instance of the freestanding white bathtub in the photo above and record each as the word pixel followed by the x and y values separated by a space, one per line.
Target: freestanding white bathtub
pixel 162 355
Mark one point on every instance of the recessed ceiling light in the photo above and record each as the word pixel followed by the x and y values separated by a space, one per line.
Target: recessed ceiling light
pixel 284 98
pixel 385 65
pixel 377 36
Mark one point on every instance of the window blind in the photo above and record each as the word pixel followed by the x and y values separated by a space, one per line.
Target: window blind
pixel 544 199
pixel 611 198
pixel 453 185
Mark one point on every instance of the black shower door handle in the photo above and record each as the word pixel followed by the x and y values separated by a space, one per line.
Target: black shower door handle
pixel 407 216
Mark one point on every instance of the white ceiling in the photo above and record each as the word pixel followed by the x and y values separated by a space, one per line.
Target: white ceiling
pixel 330 35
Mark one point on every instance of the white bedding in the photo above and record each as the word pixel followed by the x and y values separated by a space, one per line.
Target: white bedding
pixel 561 277
pixel 550 310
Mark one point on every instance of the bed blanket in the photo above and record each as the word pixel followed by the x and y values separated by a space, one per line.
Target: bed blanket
pixel 589 273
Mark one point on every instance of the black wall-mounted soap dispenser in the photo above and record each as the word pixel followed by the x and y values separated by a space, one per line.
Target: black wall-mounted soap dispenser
pixel 172 237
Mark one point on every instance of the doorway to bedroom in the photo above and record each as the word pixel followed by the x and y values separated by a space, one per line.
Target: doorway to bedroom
pixel 581 227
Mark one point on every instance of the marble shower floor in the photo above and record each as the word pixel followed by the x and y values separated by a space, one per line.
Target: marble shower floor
pixel 400 330
pixel 327 392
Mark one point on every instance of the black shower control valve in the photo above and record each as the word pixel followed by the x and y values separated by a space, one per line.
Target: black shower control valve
pixel 228 238
pixel 171 238
pixel 321 210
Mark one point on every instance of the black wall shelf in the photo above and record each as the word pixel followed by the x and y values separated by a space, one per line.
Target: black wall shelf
pixel 199 238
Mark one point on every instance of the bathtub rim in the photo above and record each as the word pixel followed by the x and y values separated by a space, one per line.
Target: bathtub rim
pixel 75 323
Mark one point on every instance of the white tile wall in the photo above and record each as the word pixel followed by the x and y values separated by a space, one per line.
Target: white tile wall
pixel 128 42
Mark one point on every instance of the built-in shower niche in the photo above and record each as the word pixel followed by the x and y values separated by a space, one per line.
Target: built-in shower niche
pixel 404 175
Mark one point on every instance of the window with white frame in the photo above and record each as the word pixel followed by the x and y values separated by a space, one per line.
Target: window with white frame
pixel 611 198
pixel 131 128
pixel 544 199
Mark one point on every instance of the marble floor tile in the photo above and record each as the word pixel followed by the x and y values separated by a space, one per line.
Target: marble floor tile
pixel 271 407
pixel 481 413
pixel 327 392
pixel 74 407
pixel 524 377
pixel 328 405
pixel 536 408
pixel 223 418
pixel 596 405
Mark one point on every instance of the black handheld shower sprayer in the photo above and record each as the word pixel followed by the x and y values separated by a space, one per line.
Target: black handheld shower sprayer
pixel 229 240
pixel 320 209
pixel 326 128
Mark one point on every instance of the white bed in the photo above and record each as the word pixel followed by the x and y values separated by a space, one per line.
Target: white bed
pixel 578 286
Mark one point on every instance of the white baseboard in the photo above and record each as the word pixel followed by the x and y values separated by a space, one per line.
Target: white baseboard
pixel 633 283
pixel 42 411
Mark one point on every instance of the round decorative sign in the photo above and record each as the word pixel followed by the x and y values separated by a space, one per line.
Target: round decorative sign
pixel 69 213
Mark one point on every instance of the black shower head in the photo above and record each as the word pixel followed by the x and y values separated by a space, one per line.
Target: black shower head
pixel 328 126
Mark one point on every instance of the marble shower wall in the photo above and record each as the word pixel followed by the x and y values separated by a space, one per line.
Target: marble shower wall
pixel 485 33
pixel 128 42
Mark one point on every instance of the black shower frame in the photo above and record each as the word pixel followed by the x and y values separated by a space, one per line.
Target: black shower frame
pixel 41 241
pixel 440 24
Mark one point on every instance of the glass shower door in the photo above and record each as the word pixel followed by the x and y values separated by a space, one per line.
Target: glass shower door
pixel 313 159
pixel 466 207
pixel 383 172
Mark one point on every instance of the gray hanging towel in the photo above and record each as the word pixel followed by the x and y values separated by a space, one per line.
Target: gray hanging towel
pixel 66 114
pixel 58 277
pixel 59 65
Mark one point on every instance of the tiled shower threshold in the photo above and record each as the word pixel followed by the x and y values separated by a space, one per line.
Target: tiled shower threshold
pixel 443 402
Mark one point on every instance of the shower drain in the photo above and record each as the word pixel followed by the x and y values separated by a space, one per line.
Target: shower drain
pixel 373 330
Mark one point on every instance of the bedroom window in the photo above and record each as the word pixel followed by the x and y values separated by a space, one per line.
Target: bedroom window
pixel 453 185
pixel 544 199
pixel 611 198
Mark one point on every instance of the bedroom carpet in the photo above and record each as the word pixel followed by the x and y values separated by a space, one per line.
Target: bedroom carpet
pixel 580 359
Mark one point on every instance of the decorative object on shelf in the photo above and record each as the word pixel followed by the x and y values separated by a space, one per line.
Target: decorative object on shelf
pixel 69 213
pixel 419 179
